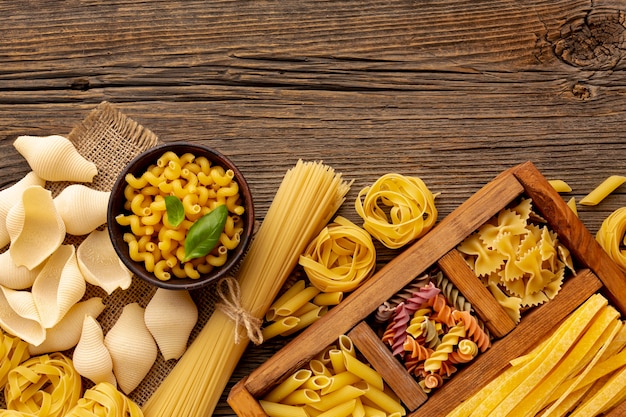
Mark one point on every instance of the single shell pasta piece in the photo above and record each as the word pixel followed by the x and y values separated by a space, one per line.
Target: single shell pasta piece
pixel 42 230
pixel 59 286
pixel 82 208
pixel 55 158
pixel 100 264
pixel 170 316
pixel 16 277
pixel 19 316
pixel 9 196
pixel 605 188
pixel 66 333
pixel 91 357
pixel 132 348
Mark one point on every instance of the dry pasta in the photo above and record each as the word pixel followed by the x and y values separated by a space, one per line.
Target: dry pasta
pixel 187 179
pixel 567 356
pixel 306 200
pixel 46 385
pixel 611 236
pixel 104 400
pixel 602 191
pixel 430 336
pixel 348 386
pixel 340 258
pixel 560 186
pixel 518 258
pixel 397 209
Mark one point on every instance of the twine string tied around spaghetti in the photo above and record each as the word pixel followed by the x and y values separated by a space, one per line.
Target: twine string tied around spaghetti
pixel 230 304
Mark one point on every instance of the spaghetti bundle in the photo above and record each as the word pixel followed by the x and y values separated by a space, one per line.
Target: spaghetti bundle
pixel 306 200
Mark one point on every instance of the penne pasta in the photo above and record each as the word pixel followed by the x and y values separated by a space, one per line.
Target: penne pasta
pixel 282 410
pixel 279 327
pixel 605 188
pixel 355 366
pixel 560 186
pixel 288 386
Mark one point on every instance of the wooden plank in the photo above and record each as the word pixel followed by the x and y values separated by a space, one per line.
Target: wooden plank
pixel 392 277
pixel 573 234
pixel 486 306
pixel 403 384
pixel 244 404
pixel 532 329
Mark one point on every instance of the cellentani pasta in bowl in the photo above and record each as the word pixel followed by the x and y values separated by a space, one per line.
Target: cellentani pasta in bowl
pixel 180 215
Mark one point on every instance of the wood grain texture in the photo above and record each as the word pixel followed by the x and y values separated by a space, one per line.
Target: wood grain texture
pixel 403 384
pixel 451 91
pixel 495 317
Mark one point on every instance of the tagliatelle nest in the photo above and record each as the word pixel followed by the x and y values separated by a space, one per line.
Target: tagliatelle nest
pixel 397 209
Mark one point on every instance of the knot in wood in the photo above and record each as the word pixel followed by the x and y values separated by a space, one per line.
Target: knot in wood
pixel 593 42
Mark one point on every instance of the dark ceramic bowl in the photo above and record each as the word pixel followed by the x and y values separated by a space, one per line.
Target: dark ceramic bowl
pixel 116 206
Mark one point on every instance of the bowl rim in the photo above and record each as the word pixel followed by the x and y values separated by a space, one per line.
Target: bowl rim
pixel 139 163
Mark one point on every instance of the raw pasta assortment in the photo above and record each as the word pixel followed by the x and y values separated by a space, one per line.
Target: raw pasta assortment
pixel 43 287
pixel 579 370
pixel 57 360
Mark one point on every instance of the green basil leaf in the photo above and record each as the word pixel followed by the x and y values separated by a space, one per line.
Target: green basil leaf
pixel 204 234
pixel 175 210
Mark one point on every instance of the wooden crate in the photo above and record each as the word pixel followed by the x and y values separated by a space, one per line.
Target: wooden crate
pixel 595 272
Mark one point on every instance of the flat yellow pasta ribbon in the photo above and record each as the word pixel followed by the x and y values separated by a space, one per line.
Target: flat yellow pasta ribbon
pixel 104 400
pixel 340 258
pixel 46 385
pixel 397 209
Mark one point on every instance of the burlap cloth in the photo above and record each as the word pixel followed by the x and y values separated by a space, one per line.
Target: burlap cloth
pixel 110 140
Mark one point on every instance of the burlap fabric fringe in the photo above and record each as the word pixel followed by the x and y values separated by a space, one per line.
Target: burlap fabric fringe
pixel 111 140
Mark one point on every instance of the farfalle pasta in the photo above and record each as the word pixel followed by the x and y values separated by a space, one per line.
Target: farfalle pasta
pixel 397 209
pixel 518 258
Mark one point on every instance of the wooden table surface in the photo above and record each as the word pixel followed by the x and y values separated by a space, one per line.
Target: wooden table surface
pixel 453 92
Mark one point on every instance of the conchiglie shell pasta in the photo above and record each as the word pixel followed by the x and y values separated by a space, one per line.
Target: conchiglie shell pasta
pixel 16 277
pixel 9 196
pixel 66 333
pixel 42 230
pixel 55 158
pixel 132 348
pixel 59 286
pixel 82 208
pixel 19 316
pixel 100 264
pixel 91 357
pixel 170 316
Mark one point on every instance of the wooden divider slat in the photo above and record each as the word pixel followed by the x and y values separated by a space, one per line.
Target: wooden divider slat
pixel 394 374
pixel 486 306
